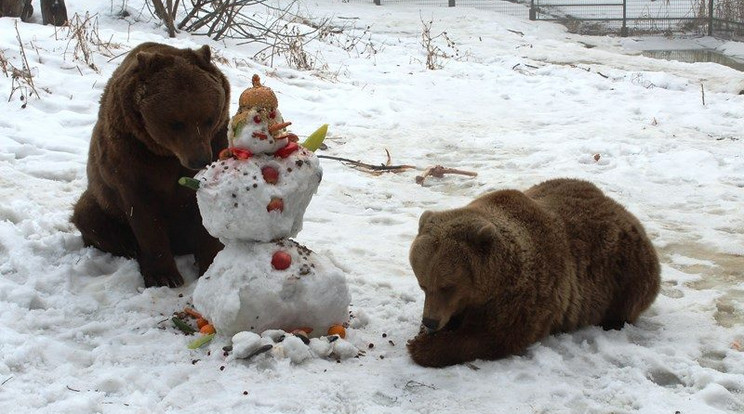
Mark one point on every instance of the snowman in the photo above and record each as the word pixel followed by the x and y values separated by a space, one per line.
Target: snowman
pixel 253 199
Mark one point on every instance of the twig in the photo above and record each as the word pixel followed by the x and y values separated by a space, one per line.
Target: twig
pixel 3 63
pixel 702 93
pixel 371 167
pixel 4 382
pixel 26 68
pixel 119 55
pixel 438 171
pixel 259 351
pixel 472 366
pixel 415 384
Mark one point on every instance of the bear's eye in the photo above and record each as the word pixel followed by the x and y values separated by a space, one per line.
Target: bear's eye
pixel 177 126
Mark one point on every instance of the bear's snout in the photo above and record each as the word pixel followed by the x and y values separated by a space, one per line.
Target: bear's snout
pixel 430 324
pixel 197 163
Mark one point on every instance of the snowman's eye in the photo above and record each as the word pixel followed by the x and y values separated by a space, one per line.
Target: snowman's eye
pixel 257 119
pixel 272 114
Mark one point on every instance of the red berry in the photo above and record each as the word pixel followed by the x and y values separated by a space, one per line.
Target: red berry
pixel 241 154
pixel 276 203
pixel 287 150
pixel 257 119
pixel 270 174
pixel 281 260
pixel 272 114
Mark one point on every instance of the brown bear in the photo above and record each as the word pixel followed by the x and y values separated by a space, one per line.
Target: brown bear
pixel 512 267
pixel 163 115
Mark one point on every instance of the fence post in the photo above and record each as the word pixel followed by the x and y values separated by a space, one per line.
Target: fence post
pixel 624 29
pixel 452 3
pixel 533 12
pixel 377 2
pixel 710 18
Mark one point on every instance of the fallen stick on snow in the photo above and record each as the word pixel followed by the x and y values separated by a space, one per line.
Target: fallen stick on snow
pixel 370 167
pixel 439 171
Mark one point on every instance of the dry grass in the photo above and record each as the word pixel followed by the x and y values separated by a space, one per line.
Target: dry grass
pixel 436 55
pixel 84 38
pixel 22 80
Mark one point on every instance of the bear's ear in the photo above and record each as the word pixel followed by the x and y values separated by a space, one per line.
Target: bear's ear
pixel 482 235
pixel 153 62
pixel 424 219
pixel 204 53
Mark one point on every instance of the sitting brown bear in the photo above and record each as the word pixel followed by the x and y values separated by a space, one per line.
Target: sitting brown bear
pixel 510 268
pixel 163 115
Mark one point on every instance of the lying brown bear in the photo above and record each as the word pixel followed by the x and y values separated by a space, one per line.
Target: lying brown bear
pixel 163 115
pixel 512 267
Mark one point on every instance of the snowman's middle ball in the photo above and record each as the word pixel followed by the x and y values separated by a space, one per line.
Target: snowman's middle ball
pixel 237 203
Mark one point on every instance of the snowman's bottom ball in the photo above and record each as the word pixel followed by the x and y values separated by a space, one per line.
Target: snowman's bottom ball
pixel 243 291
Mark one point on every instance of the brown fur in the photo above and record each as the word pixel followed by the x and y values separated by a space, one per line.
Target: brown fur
pixel 16 8
pixel 163 115
pixel 510 268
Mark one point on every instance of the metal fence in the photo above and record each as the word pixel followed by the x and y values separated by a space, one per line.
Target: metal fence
pixel 518 8
pixel 723 18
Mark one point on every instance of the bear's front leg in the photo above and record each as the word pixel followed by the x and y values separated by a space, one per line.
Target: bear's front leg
pixel 158 268
pixel 440 349
pixel 157 265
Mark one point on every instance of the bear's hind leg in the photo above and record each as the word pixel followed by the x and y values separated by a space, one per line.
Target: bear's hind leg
pixel 630 303
pixel 102 231
pixel 639 272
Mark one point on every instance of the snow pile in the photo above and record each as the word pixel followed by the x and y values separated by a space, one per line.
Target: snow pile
pixel 243 290
pixel 297 347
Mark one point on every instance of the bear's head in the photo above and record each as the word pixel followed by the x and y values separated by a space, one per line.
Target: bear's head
pixel 450 249
pixel 183 101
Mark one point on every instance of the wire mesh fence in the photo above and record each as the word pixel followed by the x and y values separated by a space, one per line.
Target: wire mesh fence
pixel 728 17
pixel 723 18
pixel 518 8
pixel 626 16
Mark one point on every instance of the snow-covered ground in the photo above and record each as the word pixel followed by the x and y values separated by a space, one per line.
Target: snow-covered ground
pixel 522 102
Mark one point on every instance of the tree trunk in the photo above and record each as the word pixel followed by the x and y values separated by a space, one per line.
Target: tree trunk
pixel 11 8
pixel 53 12
pixel 28 10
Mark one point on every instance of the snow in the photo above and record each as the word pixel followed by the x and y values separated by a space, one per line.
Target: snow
pixel 522 102
pixel 234 197
pixel 243 291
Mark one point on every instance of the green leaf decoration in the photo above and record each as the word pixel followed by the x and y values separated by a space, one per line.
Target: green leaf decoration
pixel 314 140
